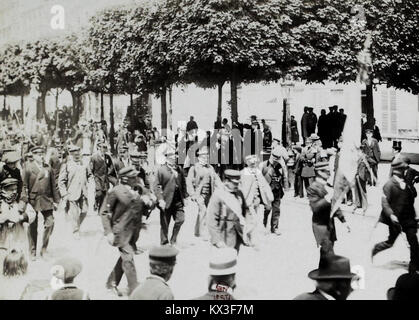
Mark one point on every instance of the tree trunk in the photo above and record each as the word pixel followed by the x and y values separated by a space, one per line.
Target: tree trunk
pixel 220 99
pixel 4 107
pixel 170 118
pixel 76 106
pixel 102 113
pixel 40 106
pixel 163 111
pixel 22 109
pixel 233 90
pixel 131 99
pixel 286 124
pixel 112 120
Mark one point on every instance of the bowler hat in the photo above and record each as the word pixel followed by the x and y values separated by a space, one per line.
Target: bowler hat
pixel 407 288
pixel 223 261
pixel 398 163
pixel 332 267
pixel 163 254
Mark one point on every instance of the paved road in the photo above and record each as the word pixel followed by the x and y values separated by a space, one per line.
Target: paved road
pixel 277 271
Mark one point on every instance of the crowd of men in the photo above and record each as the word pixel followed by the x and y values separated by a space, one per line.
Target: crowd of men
pixel 40 172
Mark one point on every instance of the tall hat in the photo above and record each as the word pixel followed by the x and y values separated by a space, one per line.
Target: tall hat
pixel 332 267
pixel 397 145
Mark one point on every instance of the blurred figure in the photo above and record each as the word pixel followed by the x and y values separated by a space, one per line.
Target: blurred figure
pixel 406 288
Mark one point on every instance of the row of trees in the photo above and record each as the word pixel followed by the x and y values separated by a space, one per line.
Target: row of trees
pixel 150 48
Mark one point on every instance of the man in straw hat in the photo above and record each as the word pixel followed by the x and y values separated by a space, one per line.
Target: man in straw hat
pixel 333 280
pixel 170 189
pixel 320 195
pixel 222 275
pixel 39 185
pixel 155 287
pixel 120 216
pixel 201 182
pixel 72 183
pixel 399 213
pixel 226 213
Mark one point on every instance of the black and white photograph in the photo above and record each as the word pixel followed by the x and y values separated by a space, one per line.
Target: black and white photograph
pixel 209 150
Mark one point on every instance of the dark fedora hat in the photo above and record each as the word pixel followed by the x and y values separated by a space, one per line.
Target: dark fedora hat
pixel 332 267
pixel 407 288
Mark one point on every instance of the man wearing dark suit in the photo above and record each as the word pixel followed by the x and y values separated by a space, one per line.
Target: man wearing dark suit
pixel 320 203
pixel 372 151
pixel 123 210
pixel 399 213
pixel 170 188
pixel 39 185
pixel 304 131
pixel 333 280
pixel 99 170
pixel 311 122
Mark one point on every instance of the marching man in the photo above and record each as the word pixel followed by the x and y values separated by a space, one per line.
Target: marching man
pixel 226 213
pixel 39 184
pixel 72 183
pixel 200 183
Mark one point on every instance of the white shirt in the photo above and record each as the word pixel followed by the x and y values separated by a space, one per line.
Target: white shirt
pixel 327 296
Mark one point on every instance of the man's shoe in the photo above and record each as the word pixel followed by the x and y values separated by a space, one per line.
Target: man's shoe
pixel 114 290
pixel 43 252
pixel 276 232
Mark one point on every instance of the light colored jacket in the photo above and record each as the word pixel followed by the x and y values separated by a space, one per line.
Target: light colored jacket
pixel 249 183
pixel 72 181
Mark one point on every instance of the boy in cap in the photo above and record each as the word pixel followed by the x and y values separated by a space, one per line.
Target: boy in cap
pixel 64 271
pixel 226 213
pixel 155 287
pixel 222 275
pixel 200 183
pixel 333 280
pixel 9 169
pixel 399 213
pixel 39 185
pixel 72 184
pixel 122 213
pixel 320 196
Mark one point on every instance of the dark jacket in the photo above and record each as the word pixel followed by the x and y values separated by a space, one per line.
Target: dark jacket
pixel 99 170
pixel 120 213
pixel 372 151
pixel 215 295
pixel 321 209
pixel 275 178
pixel 40 187
pixel 398 202
pixel 165 184
pixel 315 295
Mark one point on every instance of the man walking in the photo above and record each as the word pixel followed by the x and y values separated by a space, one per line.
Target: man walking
pixel 399 213
pixel 372 150
pixel 119 217
pixel 170 190
pixel 39 184
pixel 72 183
pixel 99 170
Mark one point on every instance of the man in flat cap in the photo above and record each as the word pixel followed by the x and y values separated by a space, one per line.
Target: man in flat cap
pixel 120 215
pixel 226 213
pixel 39 184
pixel 333 280
pixel 99 169
pixel 200 183
pixel 399 213
pixel 138 160
pixel 222 275
pixel 320 195
pixel 72 183
pixel 66 270
pixel 372 150
pixel 155 287
pixel 170 189
pixel 274 173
